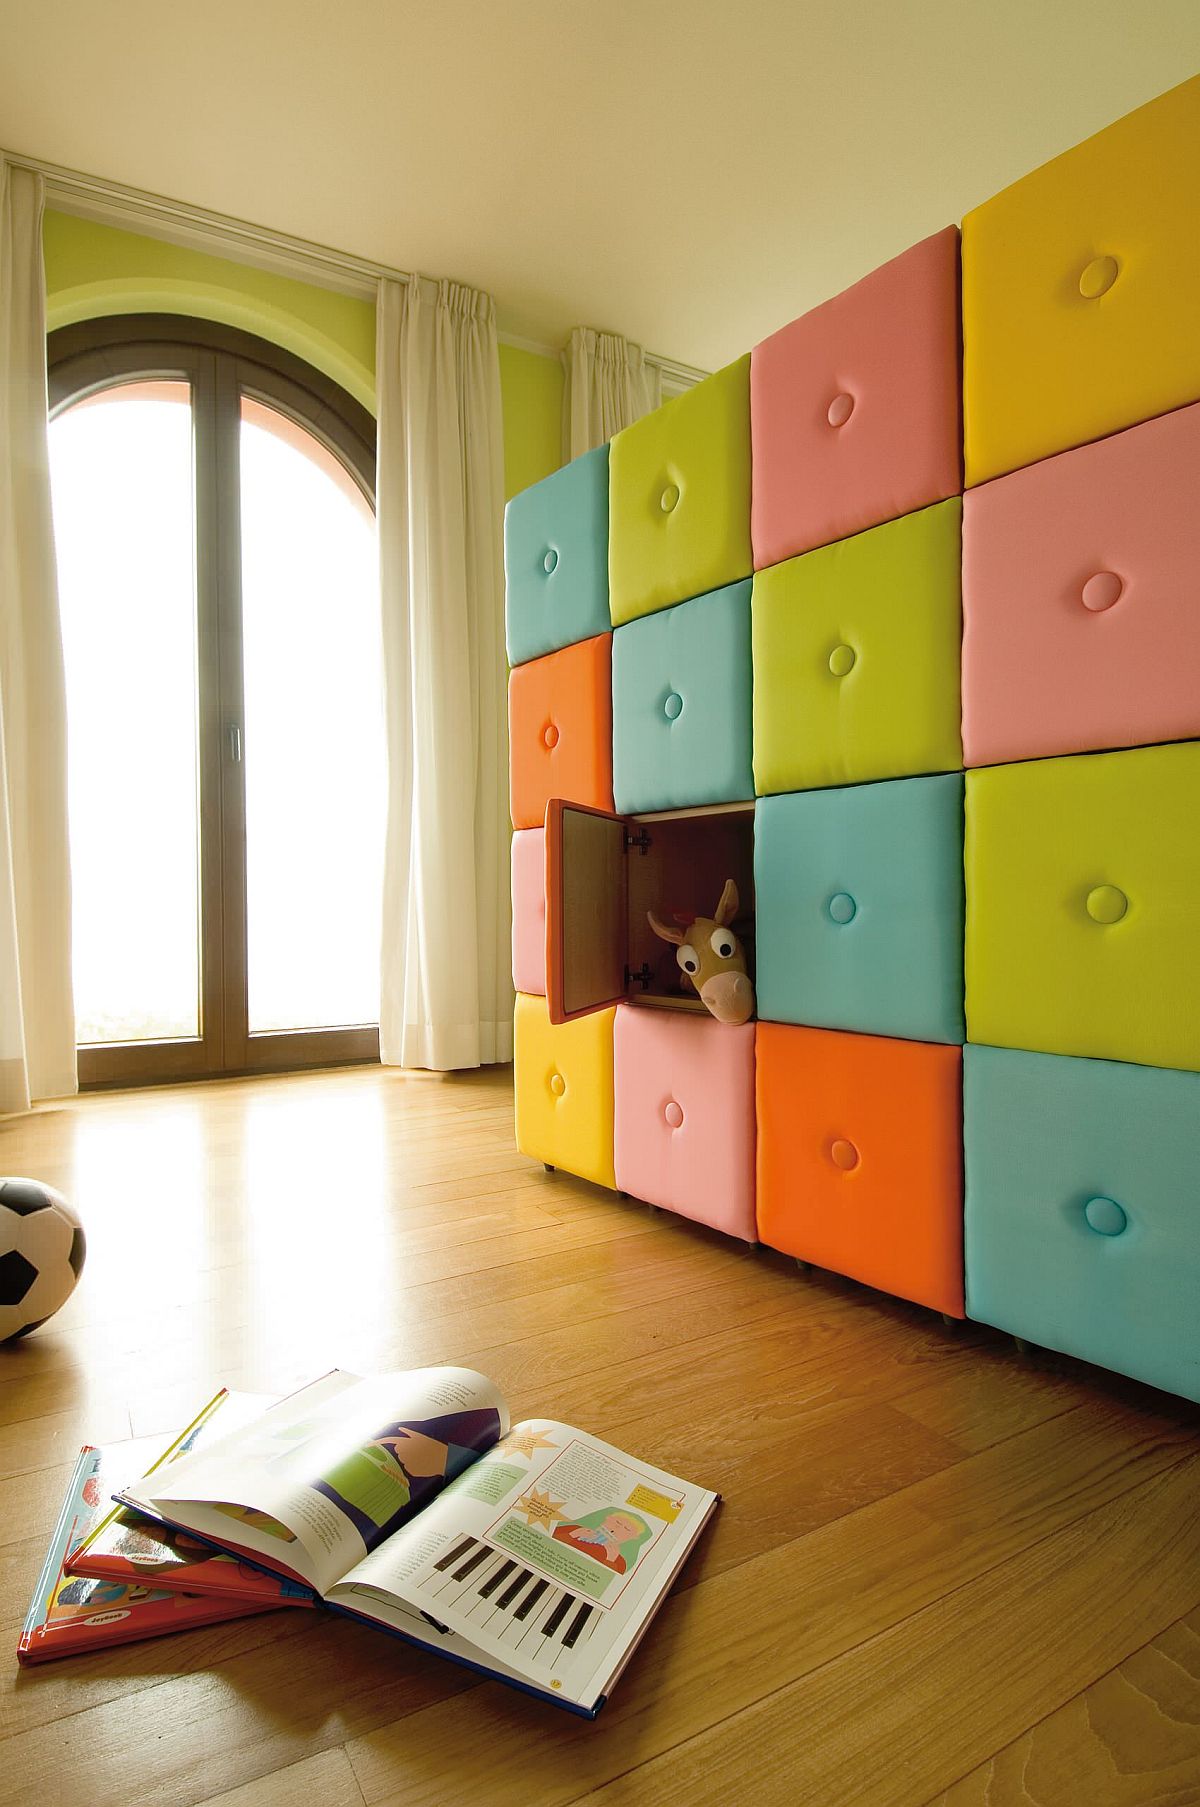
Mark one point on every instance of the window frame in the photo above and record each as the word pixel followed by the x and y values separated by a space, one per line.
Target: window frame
pixel 221 363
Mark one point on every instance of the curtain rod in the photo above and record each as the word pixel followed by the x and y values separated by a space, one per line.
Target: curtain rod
pixel 198 228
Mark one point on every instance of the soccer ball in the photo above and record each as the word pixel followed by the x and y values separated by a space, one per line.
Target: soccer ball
pixel 42 1247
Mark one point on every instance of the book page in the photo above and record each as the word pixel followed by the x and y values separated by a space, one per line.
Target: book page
pixel 70 1613
pixel 126 1546
pixel 325 1476
pixel 549 1556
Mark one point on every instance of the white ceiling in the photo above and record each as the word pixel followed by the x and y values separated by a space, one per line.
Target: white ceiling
pixel 692 175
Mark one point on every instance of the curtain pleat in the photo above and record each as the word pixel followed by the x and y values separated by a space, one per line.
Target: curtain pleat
pixel 608 386
pixel 446 988
pixel 37 1013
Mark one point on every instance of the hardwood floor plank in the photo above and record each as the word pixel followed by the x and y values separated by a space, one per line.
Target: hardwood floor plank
pixel 232 1720
pixel 941 1689
pixel 75 1686
pixel 565 1344
pixel 57 1437
pixel 720 1647
pixel 310 1301
pixel 326 1780
pixel 890 1486
pixel 1130 1740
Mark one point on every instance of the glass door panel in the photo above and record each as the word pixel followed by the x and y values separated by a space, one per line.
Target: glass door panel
pixel 314 755
pixel 122 472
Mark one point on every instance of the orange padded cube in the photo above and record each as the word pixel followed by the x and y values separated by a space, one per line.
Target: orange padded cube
pixel 860 1158
pixel 560 730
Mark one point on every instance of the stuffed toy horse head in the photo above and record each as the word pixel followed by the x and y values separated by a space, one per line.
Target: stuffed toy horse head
pixel 710 956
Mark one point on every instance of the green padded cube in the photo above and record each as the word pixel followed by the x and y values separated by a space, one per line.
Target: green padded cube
pixel 1082 880
pixel 856 657
pixel 679 498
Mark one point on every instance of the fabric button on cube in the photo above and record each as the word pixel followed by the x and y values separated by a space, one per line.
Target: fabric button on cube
pixel 1081 1209
pixel 529 911
pixel 680 498
pixel 1105 1216
pixel 681 704
pixel 1082 880
pixel 1098 277
pixel 1080 623
pixel 1080 287
pixel 856 666
pixel 854 407
pixel 859 1168
pixel 563 1081
pixel 1101 592
pixel 560 730
pixel 685 1115
pixel 556 560
pixel 860 898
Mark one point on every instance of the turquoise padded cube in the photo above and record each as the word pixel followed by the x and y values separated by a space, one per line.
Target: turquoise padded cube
pixel 860 908
pixel 1083 1211
pixel 556 559
pixel 681 704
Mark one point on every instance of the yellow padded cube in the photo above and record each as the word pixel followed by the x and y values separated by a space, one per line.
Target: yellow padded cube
pixel 1080 291
pixel 1083 882
pixel 679 497
pixel 856 657
pixel 563 1081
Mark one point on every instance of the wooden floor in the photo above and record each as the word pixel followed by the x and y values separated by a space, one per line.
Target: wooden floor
pixel 942 1572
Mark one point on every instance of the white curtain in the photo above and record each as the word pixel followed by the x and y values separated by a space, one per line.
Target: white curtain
pixel 447 994
pixel 37 1015
pixel 608 386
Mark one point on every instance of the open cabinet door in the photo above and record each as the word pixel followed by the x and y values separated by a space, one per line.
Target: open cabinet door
pixel 586 909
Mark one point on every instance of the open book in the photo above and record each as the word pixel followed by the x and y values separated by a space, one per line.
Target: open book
pixel 531 1552
pixel 125 1548
pixel 71 1615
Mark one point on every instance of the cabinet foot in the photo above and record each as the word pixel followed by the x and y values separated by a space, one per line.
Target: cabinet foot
pixel 802 1267
pixel 1021 1346
pixel 547 1167
pixel 950 1322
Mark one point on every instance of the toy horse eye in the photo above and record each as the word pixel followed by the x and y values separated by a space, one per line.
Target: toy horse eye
pixel 688 959
pixel 722 943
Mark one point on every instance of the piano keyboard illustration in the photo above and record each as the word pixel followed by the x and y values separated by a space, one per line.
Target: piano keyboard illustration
pixel 497 1593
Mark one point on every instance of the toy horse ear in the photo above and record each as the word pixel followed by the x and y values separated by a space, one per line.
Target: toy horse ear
pixel 665 931
pixel 727 909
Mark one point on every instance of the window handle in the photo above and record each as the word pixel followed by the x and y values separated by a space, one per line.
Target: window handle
pixel 235 743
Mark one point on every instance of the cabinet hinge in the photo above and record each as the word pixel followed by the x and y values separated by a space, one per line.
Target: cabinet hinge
pixel 640 840
pixel 641 978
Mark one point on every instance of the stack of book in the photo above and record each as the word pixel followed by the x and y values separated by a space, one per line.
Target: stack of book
pixel 533 1553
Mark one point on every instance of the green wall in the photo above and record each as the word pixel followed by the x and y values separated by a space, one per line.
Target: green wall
pixel 531 395
pixel 93 270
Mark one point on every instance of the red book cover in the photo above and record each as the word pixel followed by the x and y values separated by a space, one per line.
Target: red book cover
pixel 126 1547
pixel 70 1614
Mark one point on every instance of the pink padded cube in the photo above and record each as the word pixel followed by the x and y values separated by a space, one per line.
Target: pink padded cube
pixel 685 1125
pixel 854 408
pixel 529 911
pixel 1080 621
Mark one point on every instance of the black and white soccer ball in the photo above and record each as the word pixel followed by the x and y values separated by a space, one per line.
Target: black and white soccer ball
pixel 42 1246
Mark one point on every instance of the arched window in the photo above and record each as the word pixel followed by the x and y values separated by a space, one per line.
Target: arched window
pixel 214 517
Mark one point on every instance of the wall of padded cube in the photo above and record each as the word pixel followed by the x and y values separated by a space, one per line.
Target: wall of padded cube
pixel 918 581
